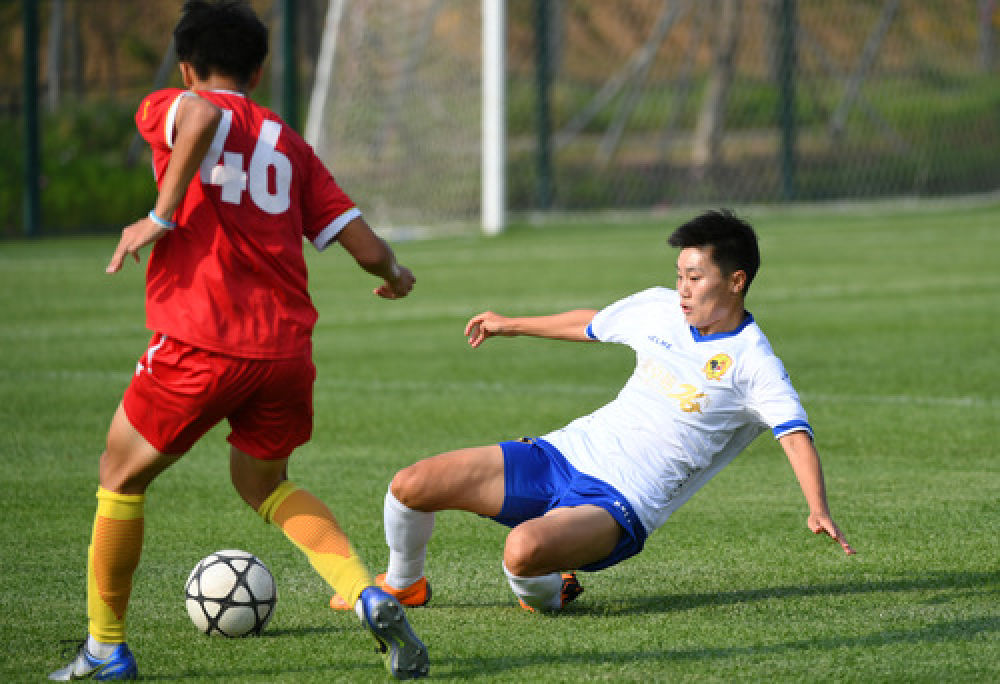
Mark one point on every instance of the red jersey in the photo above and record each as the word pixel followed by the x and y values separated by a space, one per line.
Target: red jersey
pixel 231 277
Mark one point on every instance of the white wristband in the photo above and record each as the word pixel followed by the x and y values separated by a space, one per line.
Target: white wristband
pixel 162 223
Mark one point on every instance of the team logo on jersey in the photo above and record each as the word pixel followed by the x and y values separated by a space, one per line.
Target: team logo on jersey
pixel 717 366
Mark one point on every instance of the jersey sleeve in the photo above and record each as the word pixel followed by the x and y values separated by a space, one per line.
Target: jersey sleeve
pixel 154 119
pixel 772 397
pixel 616 322
pixel 326 207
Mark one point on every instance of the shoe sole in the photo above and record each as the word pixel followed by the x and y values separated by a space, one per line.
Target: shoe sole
pixel 406 656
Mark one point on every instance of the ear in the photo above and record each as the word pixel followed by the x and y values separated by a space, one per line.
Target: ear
pixel 187 74
pixel 737 281
pixel 255 78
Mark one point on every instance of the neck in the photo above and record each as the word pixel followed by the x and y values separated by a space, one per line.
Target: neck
pixel 219 83
pixel 728 323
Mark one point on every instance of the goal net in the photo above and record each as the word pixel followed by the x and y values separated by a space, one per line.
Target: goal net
pixel 396 110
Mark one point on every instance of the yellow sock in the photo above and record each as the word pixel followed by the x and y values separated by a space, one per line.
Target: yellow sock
pixel 310 525
pixel 112 558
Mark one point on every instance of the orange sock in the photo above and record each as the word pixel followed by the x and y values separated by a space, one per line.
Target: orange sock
pixel 115 546
pixel 310 525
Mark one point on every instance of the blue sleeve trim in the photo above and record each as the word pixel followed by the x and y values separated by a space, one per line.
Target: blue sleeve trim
pixel 590 331
pixel 792 426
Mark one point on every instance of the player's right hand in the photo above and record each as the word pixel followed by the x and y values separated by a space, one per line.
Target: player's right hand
pixel 485 325
pixel 134 237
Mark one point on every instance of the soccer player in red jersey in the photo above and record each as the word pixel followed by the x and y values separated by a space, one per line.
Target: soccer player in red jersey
pixel 232 319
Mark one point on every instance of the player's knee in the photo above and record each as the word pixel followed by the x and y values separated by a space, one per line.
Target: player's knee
pixel 523 553
pixel 250 490
pixel 255 480
pixel 411 486
pixel 115 476
pixel 124 472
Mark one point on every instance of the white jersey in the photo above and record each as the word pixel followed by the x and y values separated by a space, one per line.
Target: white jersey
pixel 692 404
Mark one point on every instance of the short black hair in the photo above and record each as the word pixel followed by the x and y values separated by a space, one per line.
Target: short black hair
pixel 224 37
pixel 733 241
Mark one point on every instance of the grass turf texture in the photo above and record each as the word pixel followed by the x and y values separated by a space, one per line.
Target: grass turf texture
pixel 886 319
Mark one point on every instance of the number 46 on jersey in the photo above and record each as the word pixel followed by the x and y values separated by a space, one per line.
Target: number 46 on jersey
pixel 226 169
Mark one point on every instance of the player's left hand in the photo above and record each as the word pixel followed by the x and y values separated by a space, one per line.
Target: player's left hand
pixel 823 524
pixel 134 237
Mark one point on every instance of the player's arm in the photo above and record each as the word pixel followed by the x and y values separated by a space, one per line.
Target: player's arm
pixel 569 325
pixel 195 124
pixel 805 462
pixel 375 256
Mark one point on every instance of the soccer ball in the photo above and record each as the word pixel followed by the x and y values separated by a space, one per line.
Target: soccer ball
pixel 230 593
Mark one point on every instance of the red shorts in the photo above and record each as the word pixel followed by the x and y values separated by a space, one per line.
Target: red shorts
pixel 180 392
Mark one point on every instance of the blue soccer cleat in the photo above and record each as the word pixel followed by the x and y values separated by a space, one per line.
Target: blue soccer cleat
pixel 405 655
pixel 121 665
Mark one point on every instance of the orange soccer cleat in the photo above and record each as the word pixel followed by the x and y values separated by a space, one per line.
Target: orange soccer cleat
pixel 571 588
pixel 415 595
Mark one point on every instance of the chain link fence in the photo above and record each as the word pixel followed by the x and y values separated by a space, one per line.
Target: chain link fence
pixel 654 102
pixel 610 104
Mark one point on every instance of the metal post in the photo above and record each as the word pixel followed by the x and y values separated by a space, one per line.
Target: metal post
pixel 543 79
pixel 786 102
pixel 30 114
pixel 289 81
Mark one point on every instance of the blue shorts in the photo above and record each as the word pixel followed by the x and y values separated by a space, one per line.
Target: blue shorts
pixel 537 478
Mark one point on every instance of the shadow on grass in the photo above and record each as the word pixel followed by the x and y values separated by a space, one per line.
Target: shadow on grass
pixel 579 652
pixel 945 631
pixel 360 671
pixel 302 631
pixel 967 582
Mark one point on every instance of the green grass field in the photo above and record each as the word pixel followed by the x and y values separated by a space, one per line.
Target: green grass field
pixel 886 318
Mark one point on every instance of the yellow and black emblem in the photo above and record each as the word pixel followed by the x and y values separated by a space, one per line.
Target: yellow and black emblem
pixel 717 366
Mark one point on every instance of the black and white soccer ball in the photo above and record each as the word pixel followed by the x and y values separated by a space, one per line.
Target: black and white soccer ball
pixel 230 593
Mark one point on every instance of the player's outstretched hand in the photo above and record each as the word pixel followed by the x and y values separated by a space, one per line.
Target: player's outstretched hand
pixel 134 238
pixel 823 524
pixel 485 325
pixel 398 286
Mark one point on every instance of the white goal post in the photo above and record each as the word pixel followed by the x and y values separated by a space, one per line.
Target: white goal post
pixel 408 110
pixel 494 132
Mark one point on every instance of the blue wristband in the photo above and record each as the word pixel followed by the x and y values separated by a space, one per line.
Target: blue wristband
pixel 162 223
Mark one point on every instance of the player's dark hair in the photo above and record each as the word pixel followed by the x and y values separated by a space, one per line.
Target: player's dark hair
pixel 223 37
pixel 733 241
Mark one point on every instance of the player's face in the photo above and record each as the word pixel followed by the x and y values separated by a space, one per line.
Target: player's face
pixel 711 302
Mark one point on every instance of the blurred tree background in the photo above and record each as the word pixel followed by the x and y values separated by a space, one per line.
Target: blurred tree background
pixel 611 104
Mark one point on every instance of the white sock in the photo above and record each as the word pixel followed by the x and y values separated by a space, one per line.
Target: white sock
pixel 541 593
pixel 100 649
pixel 407 533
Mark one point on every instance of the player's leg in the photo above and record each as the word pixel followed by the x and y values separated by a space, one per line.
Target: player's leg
pixel 467 479
pixel 127 467
pixel 311 526
pixel 266 429
pixel 303 518
pixel 538 550
pixel 275 419
pixel 563 538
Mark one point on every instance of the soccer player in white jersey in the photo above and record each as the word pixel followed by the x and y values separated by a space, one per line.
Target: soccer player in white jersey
pixel 586 496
